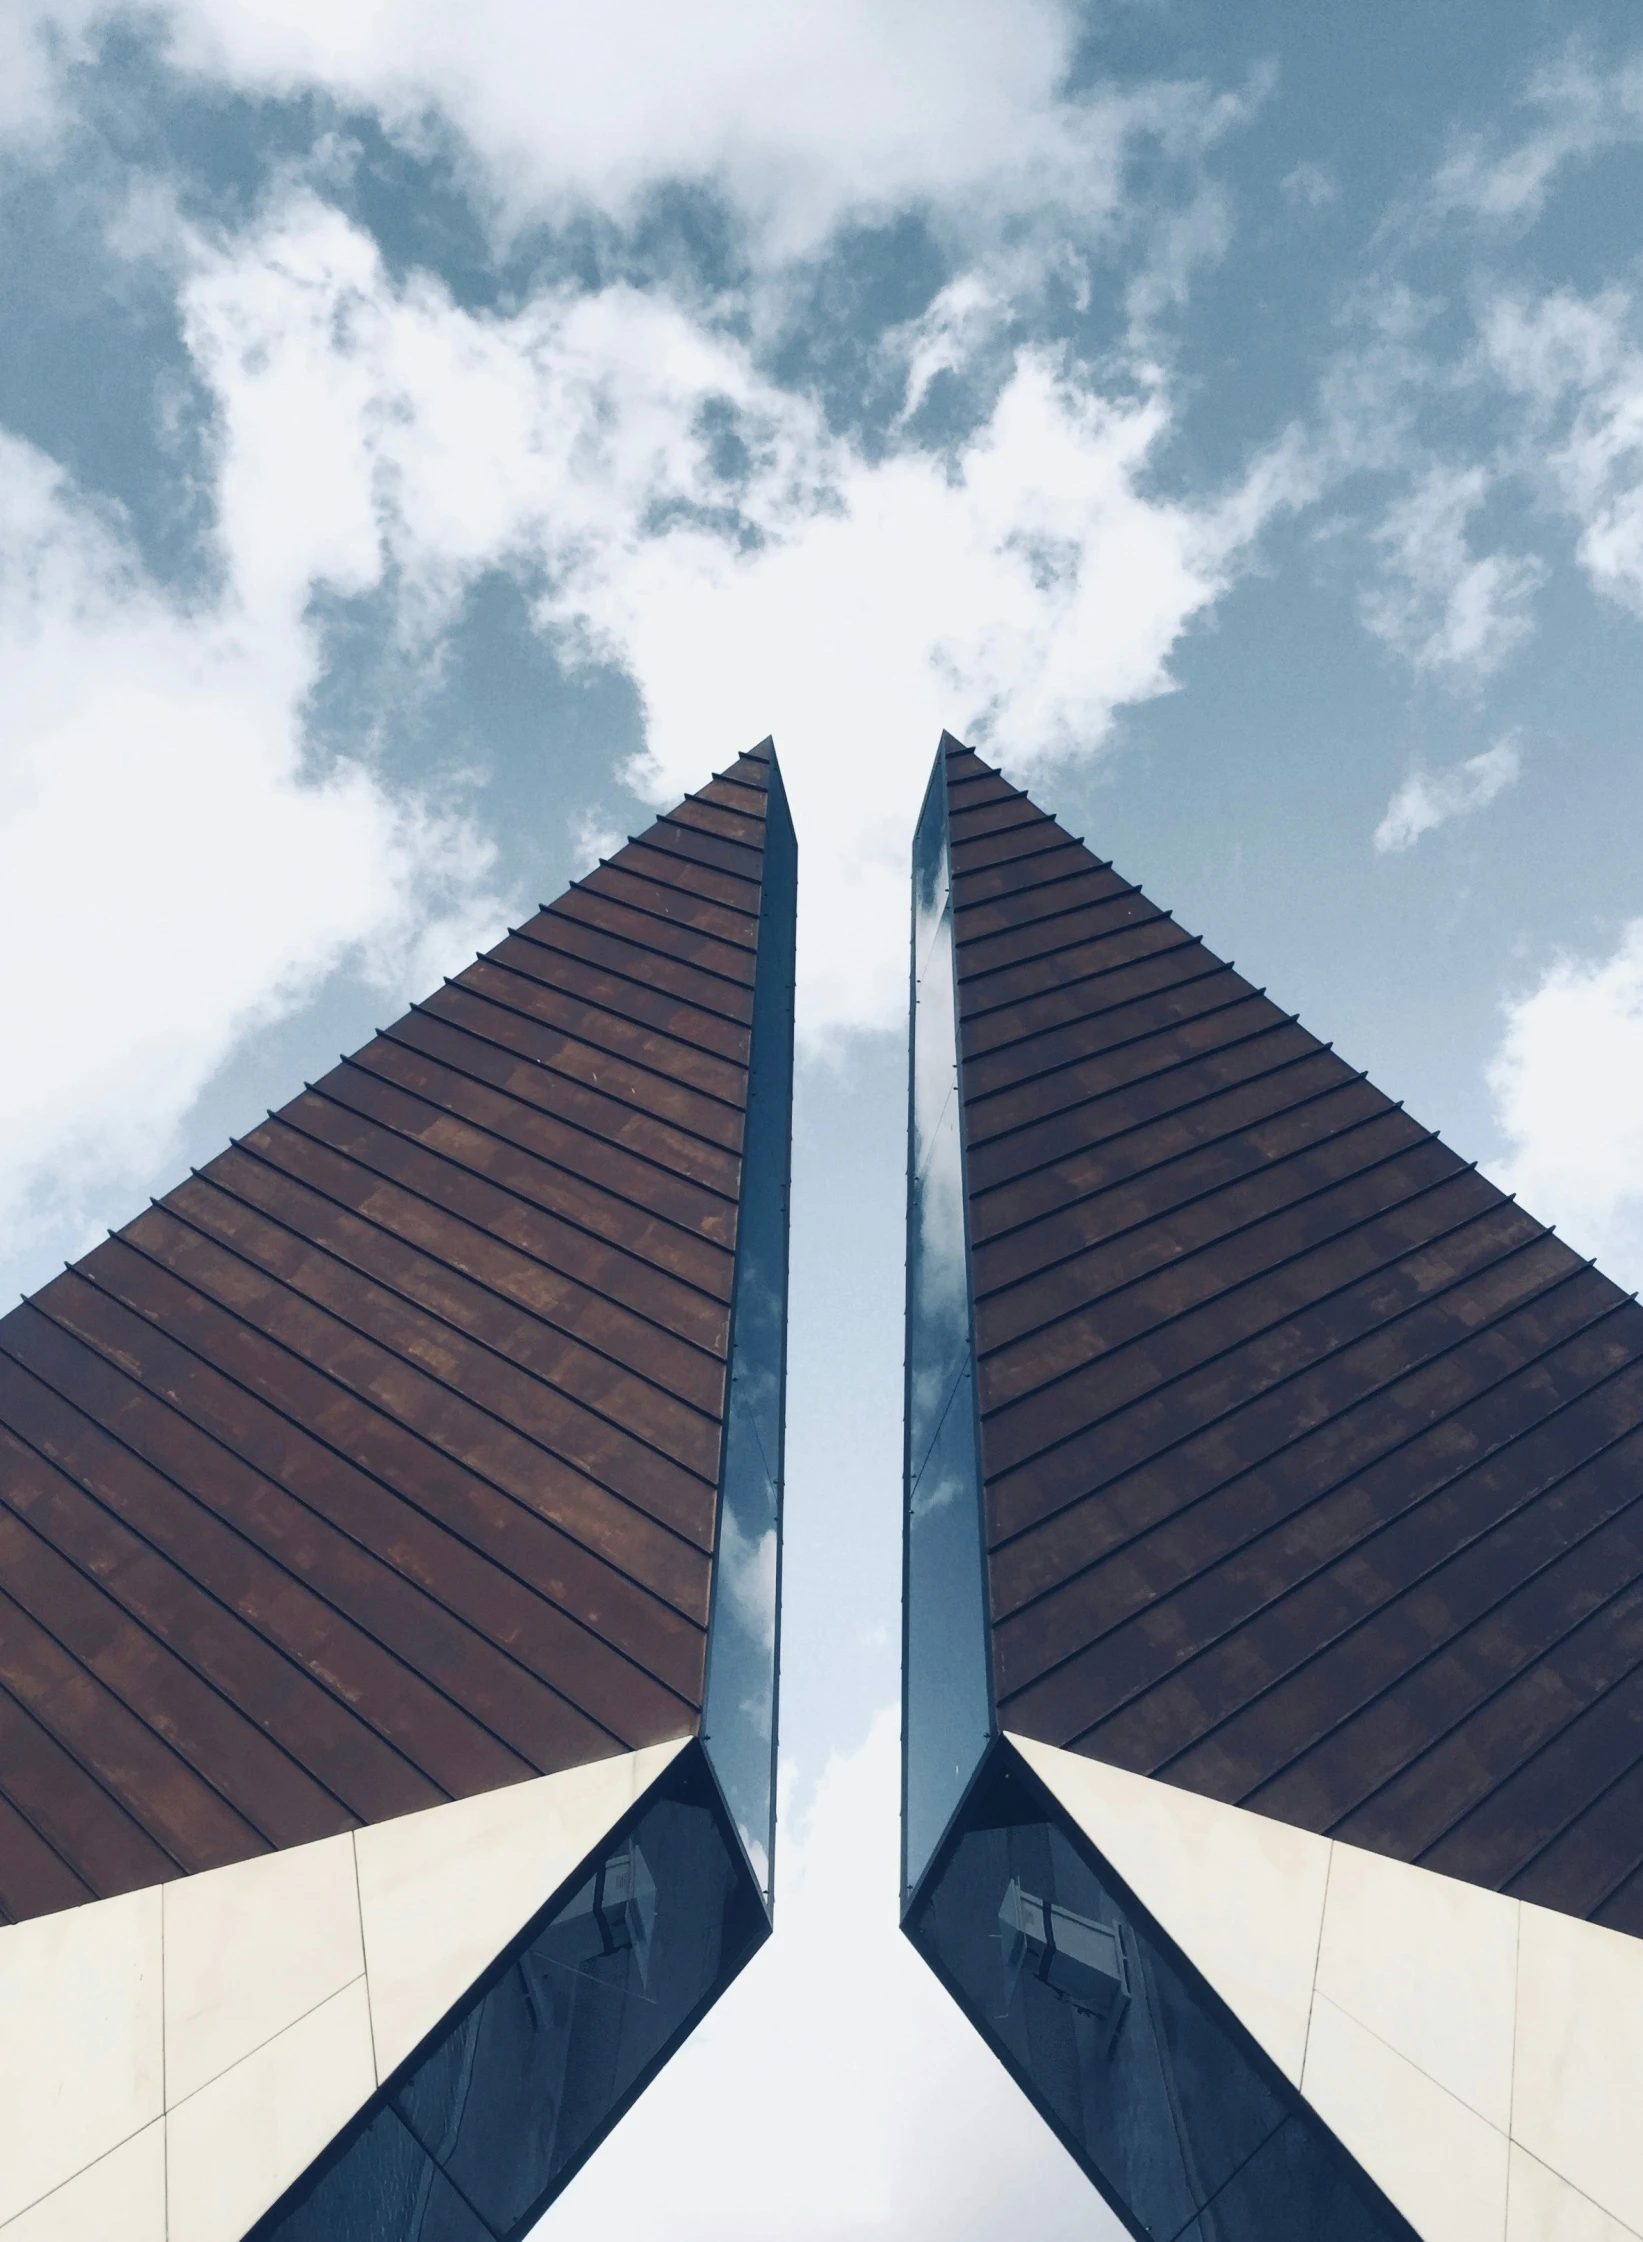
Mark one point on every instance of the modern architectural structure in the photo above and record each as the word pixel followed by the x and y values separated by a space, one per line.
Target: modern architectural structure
pixel 1274 1593
pixel 390 1523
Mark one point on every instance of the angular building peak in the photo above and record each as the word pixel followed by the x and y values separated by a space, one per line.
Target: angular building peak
pixel 1275 1497
pixel 363 1509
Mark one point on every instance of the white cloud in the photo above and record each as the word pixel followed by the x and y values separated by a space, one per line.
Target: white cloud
pixel 1446 609
pixel 1310 185
pixel 801 116
pixel 170 876
pixel 1578 107
pixel 1021 590
pixel 1568 1090
pixel 1428 799
pixel 836 2090
pixel 1576 364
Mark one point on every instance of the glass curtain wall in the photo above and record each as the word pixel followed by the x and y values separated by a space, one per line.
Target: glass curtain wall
pixel 481 2128
pixel 947 1714
pixel 739 1712
pixel 1182 2122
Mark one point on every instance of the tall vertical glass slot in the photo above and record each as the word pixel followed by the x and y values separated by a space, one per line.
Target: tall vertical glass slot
pixel 739 1712
pixel 946 1699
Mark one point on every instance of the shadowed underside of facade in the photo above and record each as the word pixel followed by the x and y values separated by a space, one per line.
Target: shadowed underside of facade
pixel 1274 1656
pixel 385 1786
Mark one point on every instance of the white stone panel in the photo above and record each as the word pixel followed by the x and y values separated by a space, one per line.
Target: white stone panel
pixel 443 1891
pixel 1577 2097
pixel 249 1949
pixel 1429 1965
pixel 120 2198
pixel 235 2146
pixel 1542 2208
pixel 1441 2164
pixel 1240 1894
pixel 80 2040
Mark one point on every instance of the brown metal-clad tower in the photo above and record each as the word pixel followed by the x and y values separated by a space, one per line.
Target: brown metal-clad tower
pixel 378 1758
pixel 1274 1595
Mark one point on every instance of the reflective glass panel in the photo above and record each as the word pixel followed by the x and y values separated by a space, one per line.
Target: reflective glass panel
pixel 475 2135
pixel 1190 2133
pixel 739 1714
pixel 946 1707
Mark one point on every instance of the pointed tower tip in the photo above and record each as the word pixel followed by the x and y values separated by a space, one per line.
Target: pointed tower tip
pixel 765 752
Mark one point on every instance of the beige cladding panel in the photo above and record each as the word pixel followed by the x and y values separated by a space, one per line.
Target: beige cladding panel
pixel 1482 2058
pixel 182 2054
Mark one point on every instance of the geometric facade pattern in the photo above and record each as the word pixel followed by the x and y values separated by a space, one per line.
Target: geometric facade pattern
pixel 1274 1484
pixel 389 1585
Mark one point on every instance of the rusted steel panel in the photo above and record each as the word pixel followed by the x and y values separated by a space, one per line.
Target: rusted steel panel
pixel 379 1462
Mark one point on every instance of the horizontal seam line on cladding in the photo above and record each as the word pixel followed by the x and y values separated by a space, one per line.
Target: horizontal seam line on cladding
pixel 1183 1063
pixel 1158 1216
pixel 1166 989
pixel 1548 1742
pixel 104 1792
pixel 672 852
pixel 1027 815
pixel 536 975
pixel 1049 925
pixel 110 1797
pixel 1022 815
pixel 276 1563
pixel 1591 1806
pixel 1481 1617
pixel 625 1099
pixel 390 1286
pixel 583 1043
pixel 236 1532
pixel 642 910
pixel 50 1845
pixel 673 820
pixel 186 1755
pixel 465 1626
pixel 623 1151
pixel 480 1284
pixel 1454 1728
pixel 208 1595
pixel 674 859
pixel 644 880
pixel 1058 989
pixel 647 918
pixel 1241 1231
pixel 1164 1117
pixel 545 923
pixel 1001 868
pixel 651 1271
pixel 599 1010
pixel 1028 890
pixel 441 1526
pixel 1235 1347
pixel 1445 1485
pixel 1092 865
pixel 1102 1054
pixel 1384 1385
pixel 675 816
pixel 438 1385
pixel 1505 1378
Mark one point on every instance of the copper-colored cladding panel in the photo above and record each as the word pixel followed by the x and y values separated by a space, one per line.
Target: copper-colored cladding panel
pixel 1313 1465
pixel 377 1464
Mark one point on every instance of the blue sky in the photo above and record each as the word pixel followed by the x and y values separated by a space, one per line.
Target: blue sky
pixel 433 436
